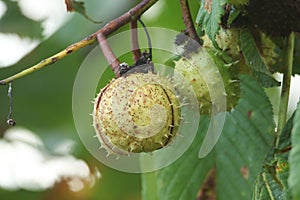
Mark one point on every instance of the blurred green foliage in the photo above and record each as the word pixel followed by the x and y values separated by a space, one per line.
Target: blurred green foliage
pixel 42 101
pixel 13 21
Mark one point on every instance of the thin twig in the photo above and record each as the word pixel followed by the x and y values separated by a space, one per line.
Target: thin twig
pixel 136 52
pixel 285 89
pixel 109 28
pixel 187 20
pixel 48 61
pixel 112 60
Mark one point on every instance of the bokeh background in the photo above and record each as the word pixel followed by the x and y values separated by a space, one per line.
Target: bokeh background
pixel 43 157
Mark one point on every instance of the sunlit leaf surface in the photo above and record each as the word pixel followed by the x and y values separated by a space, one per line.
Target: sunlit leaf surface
pixel 294 157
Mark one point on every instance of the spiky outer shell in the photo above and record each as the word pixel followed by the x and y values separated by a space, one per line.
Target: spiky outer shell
pixel 228 40
pixel 136 113
pixel 199 70
pixel 267 50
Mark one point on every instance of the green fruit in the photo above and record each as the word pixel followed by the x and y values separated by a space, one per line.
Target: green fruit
pixel 211 80
pixel 267 50
pixel 228 41
pixel 136 113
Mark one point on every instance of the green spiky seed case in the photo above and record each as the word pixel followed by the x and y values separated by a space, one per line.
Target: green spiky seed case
pixel 198 71
pixel 136 113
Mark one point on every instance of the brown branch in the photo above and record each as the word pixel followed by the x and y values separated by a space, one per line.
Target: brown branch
pixel 112 60
pixel 187 20
pixel 131 15
pixel 134 41
pixel 109 28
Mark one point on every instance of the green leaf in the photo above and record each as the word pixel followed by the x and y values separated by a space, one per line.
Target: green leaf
pixel 209 17
pixel 238 156
pixel 78 6
pixel 294 158
pixel 232 16
pixel 13 21
pixel 171 182
pixel 254 60
pixel 246 138
pixel 272 183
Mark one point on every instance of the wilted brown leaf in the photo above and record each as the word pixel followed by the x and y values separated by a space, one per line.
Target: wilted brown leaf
pixel 78 6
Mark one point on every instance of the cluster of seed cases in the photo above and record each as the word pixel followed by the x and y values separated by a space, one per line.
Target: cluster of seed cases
pixel 136 113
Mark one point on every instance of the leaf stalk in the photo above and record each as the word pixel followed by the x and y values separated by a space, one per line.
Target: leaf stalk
pixel 285 89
